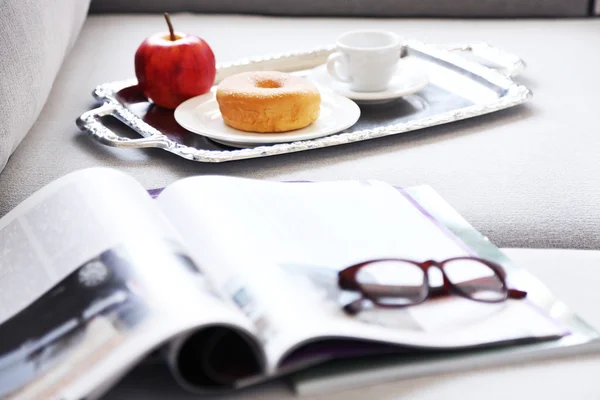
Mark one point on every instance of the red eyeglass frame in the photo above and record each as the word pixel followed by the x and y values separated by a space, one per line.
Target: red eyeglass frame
pixel 347 281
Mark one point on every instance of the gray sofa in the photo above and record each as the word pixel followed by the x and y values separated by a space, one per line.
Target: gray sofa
pixel 526 177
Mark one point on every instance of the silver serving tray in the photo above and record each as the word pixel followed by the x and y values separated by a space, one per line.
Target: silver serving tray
pixel 459 88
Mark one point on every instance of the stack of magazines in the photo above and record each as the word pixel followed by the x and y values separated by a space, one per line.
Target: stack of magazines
pixel 231 282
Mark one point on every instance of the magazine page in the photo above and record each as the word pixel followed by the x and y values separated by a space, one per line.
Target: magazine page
pixel 92 278
pixel 276 249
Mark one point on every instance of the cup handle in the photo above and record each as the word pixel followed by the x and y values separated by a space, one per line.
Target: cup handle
pixel 333 61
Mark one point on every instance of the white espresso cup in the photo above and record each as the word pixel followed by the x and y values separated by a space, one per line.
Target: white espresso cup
pixel 366 60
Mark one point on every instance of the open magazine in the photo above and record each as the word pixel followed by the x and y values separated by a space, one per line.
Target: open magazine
pixel 232 282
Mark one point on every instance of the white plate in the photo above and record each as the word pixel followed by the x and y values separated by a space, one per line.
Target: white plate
pixel 409 79
pixel 201 115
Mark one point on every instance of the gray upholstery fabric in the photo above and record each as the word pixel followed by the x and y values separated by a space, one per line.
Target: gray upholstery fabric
pixel 525 177
pixel 34 38
pixel 565 378
pixel 597 7
pixel 363 8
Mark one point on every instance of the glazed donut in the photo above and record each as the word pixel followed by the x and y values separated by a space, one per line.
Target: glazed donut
pixel 268 101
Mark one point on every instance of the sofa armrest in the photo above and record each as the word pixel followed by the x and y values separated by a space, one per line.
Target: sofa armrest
pixel 35 36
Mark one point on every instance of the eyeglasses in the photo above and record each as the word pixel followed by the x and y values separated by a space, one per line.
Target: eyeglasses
pixel 394 283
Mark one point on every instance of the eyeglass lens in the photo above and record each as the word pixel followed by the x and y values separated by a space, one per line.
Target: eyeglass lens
pixel 475 279
pixel 394 283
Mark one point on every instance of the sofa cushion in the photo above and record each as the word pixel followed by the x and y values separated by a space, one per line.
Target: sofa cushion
pixel 364 8
pixel 35 36
pixel 525 177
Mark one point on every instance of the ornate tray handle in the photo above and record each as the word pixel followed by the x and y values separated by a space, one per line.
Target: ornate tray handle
pixel 285 62
pixel 90 121
pixel 509 64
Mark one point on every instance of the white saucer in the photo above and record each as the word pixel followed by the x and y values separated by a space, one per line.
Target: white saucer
pixel 409 79
pixel 201 115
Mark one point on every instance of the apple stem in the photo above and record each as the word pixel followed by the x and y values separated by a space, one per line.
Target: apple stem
pixel 171 31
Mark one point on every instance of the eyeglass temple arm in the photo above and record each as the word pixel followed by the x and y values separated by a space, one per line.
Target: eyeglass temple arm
pixel 511 293
pixel 445 290
pixel 516 294
pixel 354 307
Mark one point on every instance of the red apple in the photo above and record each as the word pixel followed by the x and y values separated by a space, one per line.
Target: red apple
pixel 172 67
